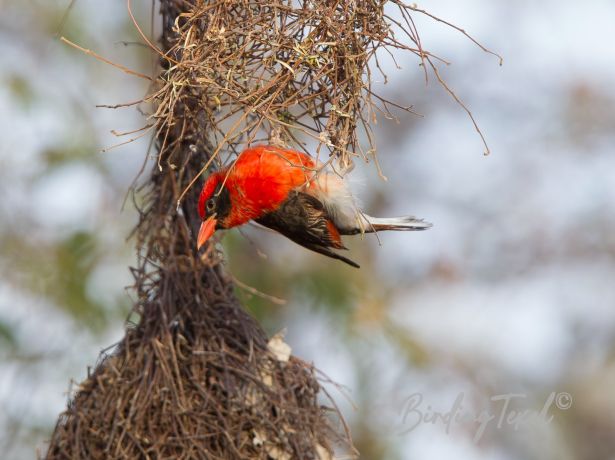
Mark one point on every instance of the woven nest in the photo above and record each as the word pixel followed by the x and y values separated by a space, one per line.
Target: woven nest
pixel 197 377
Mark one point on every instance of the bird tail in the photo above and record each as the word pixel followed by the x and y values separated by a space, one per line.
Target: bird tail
pixel 404 223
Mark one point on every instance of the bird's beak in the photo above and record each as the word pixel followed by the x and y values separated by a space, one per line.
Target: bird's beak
pixel 208 227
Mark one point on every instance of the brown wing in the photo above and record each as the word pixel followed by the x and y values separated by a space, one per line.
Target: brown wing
pixel 303 219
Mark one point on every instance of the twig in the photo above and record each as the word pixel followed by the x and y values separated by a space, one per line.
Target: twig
pixel 107 61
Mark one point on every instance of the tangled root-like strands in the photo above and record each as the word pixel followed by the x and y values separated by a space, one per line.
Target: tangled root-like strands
pixel 205 396
pixel 285 72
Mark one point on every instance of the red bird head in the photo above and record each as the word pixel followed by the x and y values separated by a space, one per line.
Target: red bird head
pixel 214 207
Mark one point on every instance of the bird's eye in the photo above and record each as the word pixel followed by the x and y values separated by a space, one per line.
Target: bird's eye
pixel 210 205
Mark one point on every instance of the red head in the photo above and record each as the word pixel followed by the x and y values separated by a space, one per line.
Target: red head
pixel 214 207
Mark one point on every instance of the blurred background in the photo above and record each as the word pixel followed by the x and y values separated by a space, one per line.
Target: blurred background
pixel 510 295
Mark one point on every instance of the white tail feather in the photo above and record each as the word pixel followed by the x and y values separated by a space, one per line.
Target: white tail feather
pixel 372 224
pixel 335 194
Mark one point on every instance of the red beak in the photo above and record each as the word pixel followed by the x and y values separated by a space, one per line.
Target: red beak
pixel 208 227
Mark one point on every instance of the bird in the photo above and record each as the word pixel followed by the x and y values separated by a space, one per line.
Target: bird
pixel 291 193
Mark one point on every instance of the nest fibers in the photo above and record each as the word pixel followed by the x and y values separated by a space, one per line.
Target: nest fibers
pixel 289 72
pixel 196 377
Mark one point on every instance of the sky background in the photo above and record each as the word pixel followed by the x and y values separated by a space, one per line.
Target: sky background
pixel 510 293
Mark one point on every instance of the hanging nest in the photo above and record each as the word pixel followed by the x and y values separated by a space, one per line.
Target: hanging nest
pixel 291 73
pixel 197 377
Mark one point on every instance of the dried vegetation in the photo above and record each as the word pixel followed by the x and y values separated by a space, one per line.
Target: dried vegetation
pixel 196 377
